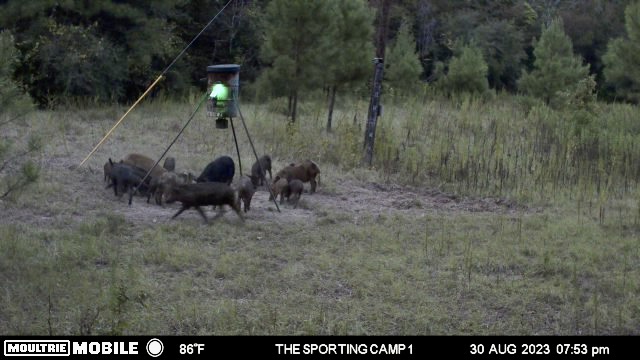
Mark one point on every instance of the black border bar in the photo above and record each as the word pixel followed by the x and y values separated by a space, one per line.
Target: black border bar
pixel 339 347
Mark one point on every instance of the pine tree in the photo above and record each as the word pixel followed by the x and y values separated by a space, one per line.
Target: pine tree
pixel 467 72
pixel 296 44
pixel 349 60
pixel 402 65
pixel 622 60
pixel 556 68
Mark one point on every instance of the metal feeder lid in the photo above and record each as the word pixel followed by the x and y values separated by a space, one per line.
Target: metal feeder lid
pixel 224 68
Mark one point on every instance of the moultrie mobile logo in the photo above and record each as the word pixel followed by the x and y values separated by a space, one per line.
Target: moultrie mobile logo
pixel 37 348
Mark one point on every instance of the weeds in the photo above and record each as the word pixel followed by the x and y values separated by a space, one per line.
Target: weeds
pixel 563 260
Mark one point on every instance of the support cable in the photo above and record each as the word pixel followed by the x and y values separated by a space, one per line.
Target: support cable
pixel 235 98
pixel 154 84
pixel 169 147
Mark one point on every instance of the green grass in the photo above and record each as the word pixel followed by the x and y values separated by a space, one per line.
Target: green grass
pixel 562 258
pixel 437 274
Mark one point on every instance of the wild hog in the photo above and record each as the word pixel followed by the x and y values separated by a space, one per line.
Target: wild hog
pixel 307 171
pixel 277 188
pixel 125 177
pixel 107 171
pixel 221 170
pixel 259 169
pixel 293 191
pixel 246 188
pixel 145 163
pixel 203 194
pixel 169 163
pixel 160 187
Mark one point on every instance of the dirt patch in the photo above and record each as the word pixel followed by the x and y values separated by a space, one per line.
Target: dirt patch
pixel 79 194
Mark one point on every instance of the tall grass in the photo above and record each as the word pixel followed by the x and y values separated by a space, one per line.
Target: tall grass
pixel 569 267
pixel 506 146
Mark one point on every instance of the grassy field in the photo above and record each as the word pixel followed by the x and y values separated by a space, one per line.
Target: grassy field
pixel 478 218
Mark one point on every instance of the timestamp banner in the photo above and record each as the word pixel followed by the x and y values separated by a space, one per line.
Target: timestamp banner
pixel 290 347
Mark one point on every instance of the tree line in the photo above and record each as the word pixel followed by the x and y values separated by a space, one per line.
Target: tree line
pixel 110 51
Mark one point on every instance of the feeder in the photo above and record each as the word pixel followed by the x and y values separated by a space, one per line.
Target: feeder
pixel 223 82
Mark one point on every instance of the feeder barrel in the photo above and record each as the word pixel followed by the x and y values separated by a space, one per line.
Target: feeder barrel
pixel 224 82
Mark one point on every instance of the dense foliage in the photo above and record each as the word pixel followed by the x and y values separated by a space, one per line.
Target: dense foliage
pixel 17 170
pixel 110 51
pixel 622 60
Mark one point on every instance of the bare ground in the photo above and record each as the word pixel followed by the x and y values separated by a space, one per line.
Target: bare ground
pixel 78 194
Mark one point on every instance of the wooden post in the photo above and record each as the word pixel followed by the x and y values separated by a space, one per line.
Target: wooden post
pixel 374 112
pixel 374 103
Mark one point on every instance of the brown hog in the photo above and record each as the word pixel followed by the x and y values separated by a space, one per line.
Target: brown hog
pixel 246 188
pixel 278 188
pixel 160 187
pixel 107 171
pixel 203 194
pixel 307 171
pixel 293 191
pixel 145 163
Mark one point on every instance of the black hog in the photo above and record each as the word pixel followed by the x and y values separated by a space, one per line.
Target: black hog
pixel 169 163
pixel 259 169
pixel 203 194
pixel 125 177
pixel 293 191
pixel 220 170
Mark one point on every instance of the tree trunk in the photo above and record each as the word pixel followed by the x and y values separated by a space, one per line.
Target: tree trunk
pixel 374 104
pixel 384 7
pixel 332 101
pixel 289 106
pixel 294 107
pixel 374 112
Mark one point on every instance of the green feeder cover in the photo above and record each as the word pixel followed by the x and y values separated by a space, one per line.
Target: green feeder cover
pixel 220 92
